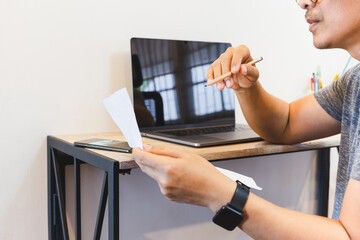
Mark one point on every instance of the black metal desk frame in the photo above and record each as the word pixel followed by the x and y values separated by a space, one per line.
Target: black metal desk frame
pixel 61 154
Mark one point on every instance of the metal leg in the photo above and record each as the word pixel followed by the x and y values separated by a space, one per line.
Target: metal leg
pixel 323 166
pixel 60 195
pixel 51 196
pixel 113 201
pixel 77 199
pixel 102 206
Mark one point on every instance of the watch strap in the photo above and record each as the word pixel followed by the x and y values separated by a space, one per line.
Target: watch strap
pixel 240 196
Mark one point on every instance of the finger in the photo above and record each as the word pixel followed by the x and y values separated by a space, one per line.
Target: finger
pixel 250 72
pixel 143 158
pixel 164 151
pixel 154 173
pixel 153 165
pixel 240 54
pixel 226 61
pixel 217 67
pixel 229 82
pixel 210 73
pixel 220 85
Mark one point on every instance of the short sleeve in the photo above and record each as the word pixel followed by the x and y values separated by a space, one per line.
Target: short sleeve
pixel 355 170
pixel 331 98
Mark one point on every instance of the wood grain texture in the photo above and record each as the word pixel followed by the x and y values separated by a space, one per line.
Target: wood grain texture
pixel 230 151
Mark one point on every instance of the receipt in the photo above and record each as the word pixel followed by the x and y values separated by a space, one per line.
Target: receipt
pixel 122 112
pixel 248 181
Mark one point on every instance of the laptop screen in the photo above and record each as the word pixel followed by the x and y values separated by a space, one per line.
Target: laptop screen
pixel 169 78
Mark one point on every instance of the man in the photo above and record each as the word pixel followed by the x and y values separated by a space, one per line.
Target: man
pixel 184 176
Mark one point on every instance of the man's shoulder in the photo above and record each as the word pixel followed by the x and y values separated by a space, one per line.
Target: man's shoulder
pixel 354 73
pixel 352 83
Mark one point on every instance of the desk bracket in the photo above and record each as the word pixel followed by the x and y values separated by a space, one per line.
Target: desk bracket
pixel 125 171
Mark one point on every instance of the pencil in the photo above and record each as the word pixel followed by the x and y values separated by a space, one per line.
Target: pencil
pixel 228 74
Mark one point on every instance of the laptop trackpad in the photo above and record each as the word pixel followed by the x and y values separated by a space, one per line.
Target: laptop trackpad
pixel 199 138
pixel 235 135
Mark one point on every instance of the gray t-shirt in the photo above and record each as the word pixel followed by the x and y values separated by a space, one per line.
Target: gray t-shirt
pixel 342 101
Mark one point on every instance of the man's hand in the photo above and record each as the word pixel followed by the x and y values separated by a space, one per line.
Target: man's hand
pixel 234 60
pixel 185 177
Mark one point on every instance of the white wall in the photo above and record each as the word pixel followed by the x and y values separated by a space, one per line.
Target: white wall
pixel 59 59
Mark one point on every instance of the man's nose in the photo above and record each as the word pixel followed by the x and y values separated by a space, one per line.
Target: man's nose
pixel 305 4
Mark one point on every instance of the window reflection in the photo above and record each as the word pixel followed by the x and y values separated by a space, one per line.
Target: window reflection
pixel 173 79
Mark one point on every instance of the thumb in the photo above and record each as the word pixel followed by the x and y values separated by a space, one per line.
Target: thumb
pixel 144 158
pixel 149 163
pixel 250 72
pixel 163 151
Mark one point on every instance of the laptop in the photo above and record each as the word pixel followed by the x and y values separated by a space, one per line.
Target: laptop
pixel 170 99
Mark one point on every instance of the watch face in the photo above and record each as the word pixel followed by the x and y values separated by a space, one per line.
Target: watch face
pixel 227 218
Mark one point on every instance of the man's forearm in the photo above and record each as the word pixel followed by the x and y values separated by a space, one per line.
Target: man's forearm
pixel 266 114
pixel 264 220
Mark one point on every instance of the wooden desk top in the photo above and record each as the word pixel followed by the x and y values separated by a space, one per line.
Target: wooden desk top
pixel 240 150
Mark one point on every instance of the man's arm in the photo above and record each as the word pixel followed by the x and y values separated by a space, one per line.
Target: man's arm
pixel 264 220
pixel 273 119
pixel 184 177
pixel 280 122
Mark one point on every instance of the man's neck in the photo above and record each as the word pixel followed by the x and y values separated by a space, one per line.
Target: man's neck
pixel 355 53
pixel 354 50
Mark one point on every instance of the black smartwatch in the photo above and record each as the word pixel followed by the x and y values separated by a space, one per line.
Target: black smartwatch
pixel 230 215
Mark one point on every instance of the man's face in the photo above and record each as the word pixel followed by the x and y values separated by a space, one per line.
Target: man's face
pixel 334 23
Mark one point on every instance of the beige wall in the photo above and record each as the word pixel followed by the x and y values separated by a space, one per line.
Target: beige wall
pixel 59 59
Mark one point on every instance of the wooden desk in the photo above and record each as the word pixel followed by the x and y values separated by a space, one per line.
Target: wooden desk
pixel 61 152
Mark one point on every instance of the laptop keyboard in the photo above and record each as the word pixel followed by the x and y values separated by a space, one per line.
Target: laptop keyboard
pixel 200 131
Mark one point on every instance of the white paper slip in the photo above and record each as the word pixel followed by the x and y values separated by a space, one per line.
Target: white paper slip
pixel 122 112
pixel 248 181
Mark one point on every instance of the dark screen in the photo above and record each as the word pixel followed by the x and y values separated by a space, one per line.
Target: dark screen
pixel 169 80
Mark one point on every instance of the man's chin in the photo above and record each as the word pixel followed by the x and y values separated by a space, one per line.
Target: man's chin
pixel 318 43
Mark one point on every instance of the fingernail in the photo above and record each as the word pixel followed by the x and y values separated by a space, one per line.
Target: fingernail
pixel 244 69
pixel 231 81
pixel 218 86
pixel 235 68
pixel 147 147
pixel 228 83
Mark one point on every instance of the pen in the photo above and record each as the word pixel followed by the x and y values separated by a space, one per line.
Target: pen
pixel 228 74
pixel 319 77
pixel 336 77
pixel 315 83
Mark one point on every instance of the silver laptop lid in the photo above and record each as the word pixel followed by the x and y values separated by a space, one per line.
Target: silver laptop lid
pixel 169 78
